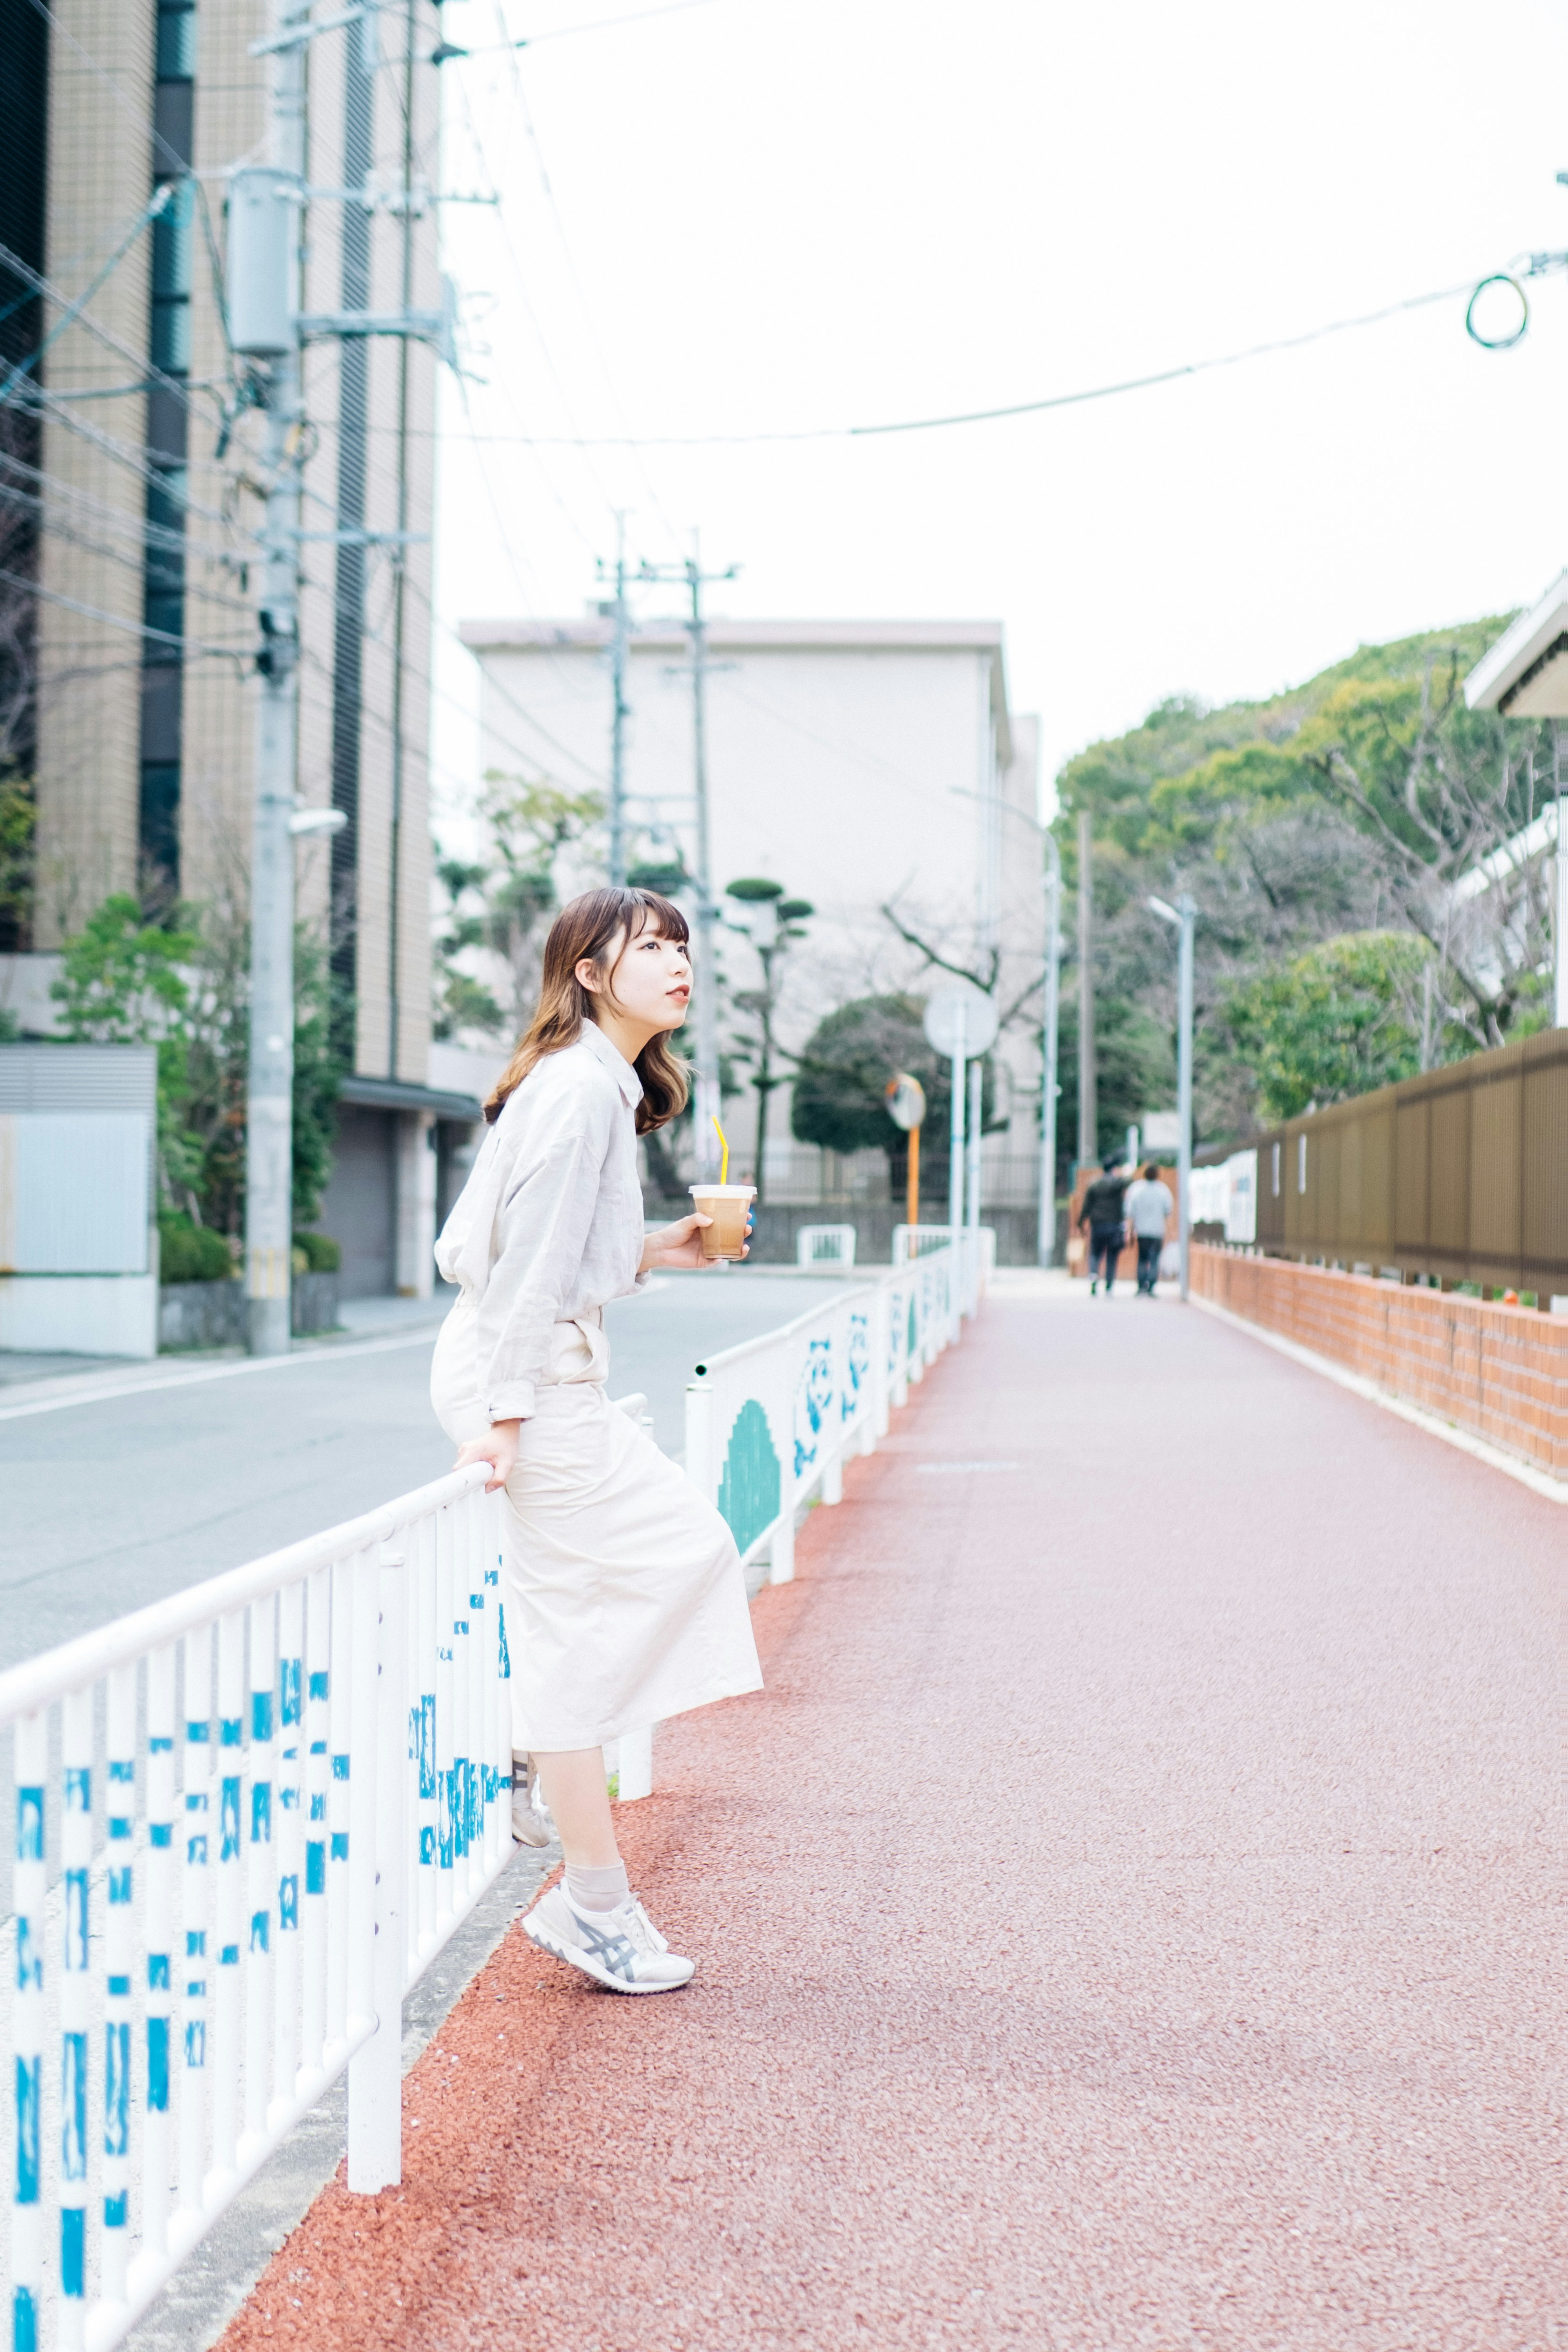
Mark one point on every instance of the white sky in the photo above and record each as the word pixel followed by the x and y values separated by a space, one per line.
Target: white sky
pixel 774 214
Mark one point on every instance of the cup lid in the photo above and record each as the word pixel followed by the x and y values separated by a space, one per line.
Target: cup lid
pixel 723 1191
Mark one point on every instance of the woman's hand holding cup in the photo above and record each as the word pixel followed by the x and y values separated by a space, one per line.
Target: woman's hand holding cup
pixel 681 1245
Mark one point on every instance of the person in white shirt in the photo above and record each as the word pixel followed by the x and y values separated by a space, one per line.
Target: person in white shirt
pixel 1148 1211
pixel 624 1597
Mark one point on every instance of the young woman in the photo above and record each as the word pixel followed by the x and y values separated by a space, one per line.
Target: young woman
pixel 625 1601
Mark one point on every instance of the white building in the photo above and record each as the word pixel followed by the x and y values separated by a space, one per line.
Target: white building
pixel 866 765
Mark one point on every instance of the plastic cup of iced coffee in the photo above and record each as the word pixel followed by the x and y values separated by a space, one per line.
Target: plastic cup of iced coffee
pixel 728 1205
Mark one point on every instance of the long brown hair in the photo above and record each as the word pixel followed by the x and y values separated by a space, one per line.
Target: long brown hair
pixel 588 931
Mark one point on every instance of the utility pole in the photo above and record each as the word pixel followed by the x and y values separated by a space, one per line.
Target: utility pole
pixel 619 712
pixel 1184 916
pixel 1560 927
pixel 264 247
pixel 266 327
pixel 1428 977
pixel 971 1174
pixel 955 1154
pixel 400 562
pixel 708 1101
pixel 1045 1244
pixel 1088 1105
pixel 1047 1248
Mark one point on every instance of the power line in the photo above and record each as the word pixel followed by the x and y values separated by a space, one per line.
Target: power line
pixel 132 456
pixel 165 541
pixel 990 416
pixel 77 314
pixel 534 320
pixel 77 307
pixel 556 214
pixel 599 25
pixel 117 621
pixel 594 775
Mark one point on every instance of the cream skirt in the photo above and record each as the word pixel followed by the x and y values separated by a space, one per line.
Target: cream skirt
pixel 625 1601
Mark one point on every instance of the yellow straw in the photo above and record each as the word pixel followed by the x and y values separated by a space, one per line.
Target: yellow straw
pixel 724 1165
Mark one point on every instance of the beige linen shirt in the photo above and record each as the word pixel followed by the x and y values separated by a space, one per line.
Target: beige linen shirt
pixel 549 1226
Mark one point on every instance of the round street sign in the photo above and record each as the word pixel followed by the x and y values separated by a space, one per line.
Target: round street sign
pixel 960 1018
pixel 906 1101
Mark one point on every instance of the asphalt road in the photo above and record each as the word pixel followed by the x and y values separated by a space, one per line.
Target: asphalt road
pixel 110 1502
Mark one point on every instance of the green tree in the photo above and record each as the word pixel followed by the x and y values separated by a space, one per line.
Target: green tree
pixel 185 988
pixel 500 906
pixel 126 982
pixel 18 829
pixel 1135 1072
pixel 841 1081
pixel 318 1074
pixel 462 1001
pixel 1355 802
pixel 1333 1023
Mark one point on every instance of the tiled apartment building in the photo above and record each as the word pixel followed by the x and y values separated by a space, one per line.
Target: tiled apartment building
pixel 126 117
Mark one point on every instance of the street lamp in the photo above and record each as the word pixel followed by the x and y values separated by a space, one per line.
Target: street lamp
pixel 1046 1249
pixel 1184 915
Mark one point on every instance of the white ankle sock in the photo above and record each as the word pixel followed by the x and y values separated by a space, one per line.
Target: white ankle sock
pixel 598 1889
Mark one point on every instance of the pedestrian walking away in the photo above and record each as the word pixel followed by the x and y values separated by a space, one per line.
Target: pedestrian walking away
pixel 1101 1219
pixel 1150 1209
pixel 623 1597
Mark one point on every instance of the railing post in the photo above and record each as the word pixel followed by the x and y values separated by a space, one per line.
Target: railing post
pixel 781 1543
pixel 288 1837
pixel 120 1797
pixel 76 2014
pixel 229 1892
pixel 340 1702
pixel 197 1919
pixel 701 1466
pixel 423 1647
pixel 32 1765
pixel 260 2023
pixel 162 1940
pixel 318 1790
pixel 375 2071
pixel 634 1777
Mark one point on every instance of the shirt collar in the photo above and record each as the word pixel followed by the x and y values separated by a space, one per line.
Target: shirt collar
pixel 625 1077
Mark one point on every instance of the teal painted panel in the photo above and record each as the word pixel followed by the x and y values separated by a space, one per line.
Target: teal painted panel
pixel 749 1488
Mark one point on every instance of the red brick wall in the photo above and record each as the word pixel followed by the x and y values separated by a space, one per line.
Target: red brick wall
pixel 1500 1372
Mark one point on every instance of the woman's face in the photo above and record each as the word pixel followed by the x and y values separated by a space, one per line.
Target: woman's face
pixel 651 980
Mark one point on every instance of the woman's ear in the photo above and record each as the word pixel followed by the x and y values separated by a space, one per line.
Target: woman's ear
pixel 586 975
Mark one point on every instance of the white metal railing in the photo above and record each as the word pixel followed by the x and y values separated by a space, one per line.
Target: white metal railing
pixel 825 1246
pixel 769 1423
pixel 247 1818
pixel 918 1241
pixel 976 1257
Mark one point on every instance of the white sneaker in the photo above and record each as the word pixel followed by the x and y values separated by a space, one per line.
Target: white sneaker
pixel 531 1820
pixel 620 1949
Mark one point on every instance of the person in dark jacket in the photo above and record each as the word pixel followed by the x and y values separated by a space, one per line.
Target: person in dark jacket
pixel 1101 1219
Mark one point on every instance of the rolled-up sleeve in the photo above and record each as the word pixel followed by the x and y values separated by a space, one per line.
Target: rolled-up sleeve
pixel 541 1230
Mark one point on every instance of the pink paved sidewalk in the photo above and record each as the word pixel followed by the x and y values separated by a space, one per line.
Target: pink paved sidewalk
pixel 1128 1918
